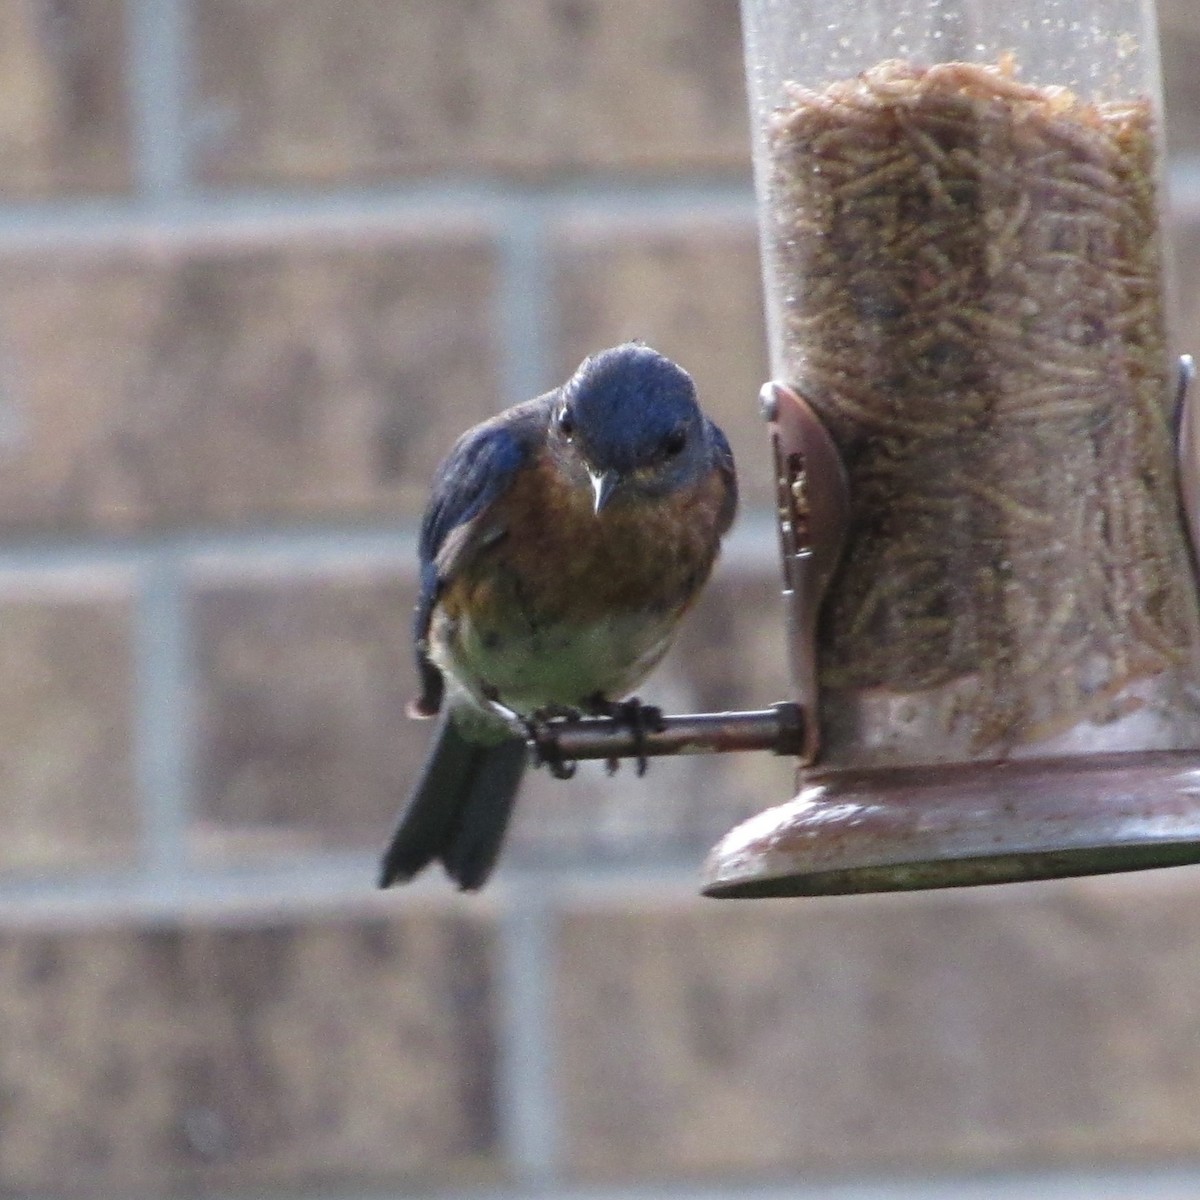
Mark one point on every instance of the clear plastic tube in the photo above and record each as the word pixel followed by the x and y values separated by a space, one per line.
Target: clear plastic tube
pixel 961 227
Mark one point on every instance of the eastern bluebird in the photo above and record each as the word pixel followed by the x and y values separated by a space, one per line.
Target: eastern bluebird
pixel 563 540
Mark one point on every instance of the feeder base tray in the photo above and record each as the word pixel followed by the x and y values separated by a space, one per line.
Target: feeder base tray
pixel 960 825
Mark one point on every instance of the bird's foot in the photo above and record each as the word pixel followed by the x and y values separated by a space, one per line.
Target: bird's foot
pixel 544 747
pixel 640 719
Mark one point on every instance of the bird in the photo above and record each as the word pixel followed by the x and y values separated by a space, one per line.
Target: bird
pixel 562 542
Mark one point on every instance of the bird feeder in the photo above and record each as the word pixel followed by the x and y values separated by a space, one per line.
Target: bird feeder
pixel 985 458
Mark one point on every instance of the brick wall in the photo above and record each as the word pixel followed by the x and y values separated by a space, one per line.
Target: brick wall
pixel 260 261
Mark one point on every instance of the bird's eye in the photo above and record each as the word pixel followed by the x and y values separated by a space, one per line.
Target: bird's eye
pixel 674 442
pixel 564 421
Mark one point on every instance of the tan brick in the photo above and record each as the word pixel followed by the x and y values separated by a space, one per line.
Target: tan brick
pixel 301 374
pixel 1053 1023
pixel 731 649
pixel 347 1050
pixel 1179 23
pixel 732 654
pixel 67 787
pixel 671 815
pixel 302 739
pixel 691 288
pixel 1184 243
pixel 314 90
pixel 1177 14
pixel 63 125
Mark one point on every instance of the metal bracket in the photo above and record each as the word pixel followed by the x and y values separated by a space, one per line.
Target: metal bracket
pixel 813 499
pixel 1187 449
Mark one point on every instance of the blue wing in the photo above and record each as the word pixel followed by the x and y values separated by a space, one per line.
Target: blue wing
pixel 476 473
pixel 473 476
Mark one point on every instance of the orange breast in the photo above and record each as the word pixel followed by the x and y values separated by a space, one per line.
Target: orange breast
pixel 565 561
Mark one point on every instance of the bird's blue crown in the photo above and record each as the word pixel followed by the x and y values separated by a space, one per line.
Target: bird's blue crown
pixel 627 402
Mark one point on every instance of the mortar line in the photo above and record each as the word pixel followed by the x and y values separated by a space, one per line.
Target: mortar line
pixel 158 64
pixel 393 542
pixel 524 304
pixel 1120 1182
pixel 174 207
pixel 339 879
pixel 1183 187
pixel 162 745
pixel 751 542
pixel 526 1087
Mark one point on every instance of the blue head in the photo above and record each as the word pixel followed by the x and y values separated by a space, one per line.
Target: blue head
pixel 627 423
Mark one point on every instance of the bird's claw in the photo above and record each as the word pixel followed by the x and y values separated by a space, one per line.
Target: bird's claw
pixel 545 751
pixel 640 719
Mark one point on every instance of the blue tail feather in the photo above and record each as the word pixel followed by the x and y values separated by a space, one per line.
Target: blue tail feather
pixel 459 811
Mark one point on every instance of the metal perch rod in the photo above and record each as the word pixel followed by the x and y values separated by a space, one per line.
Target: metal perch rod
pixel 779 729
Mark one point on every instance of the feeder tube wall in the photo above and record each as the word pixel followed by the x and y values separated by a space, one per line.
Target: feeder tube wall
pixel 961 229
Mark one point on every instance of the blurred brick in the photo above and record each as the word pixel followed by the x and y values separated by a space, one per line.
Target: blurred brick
pixel 302 740
pixel 316 90
pixel 1184 243
pixel 733 654
pixel 1055 1023
pixel 1179 23
pixel 63 124
pixel 67 788
pixel 1177 14
pixel 691 288
pixel 274 1054
pixel 671 815
pixel 731 649
pixel 290 375
pixel 729 655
